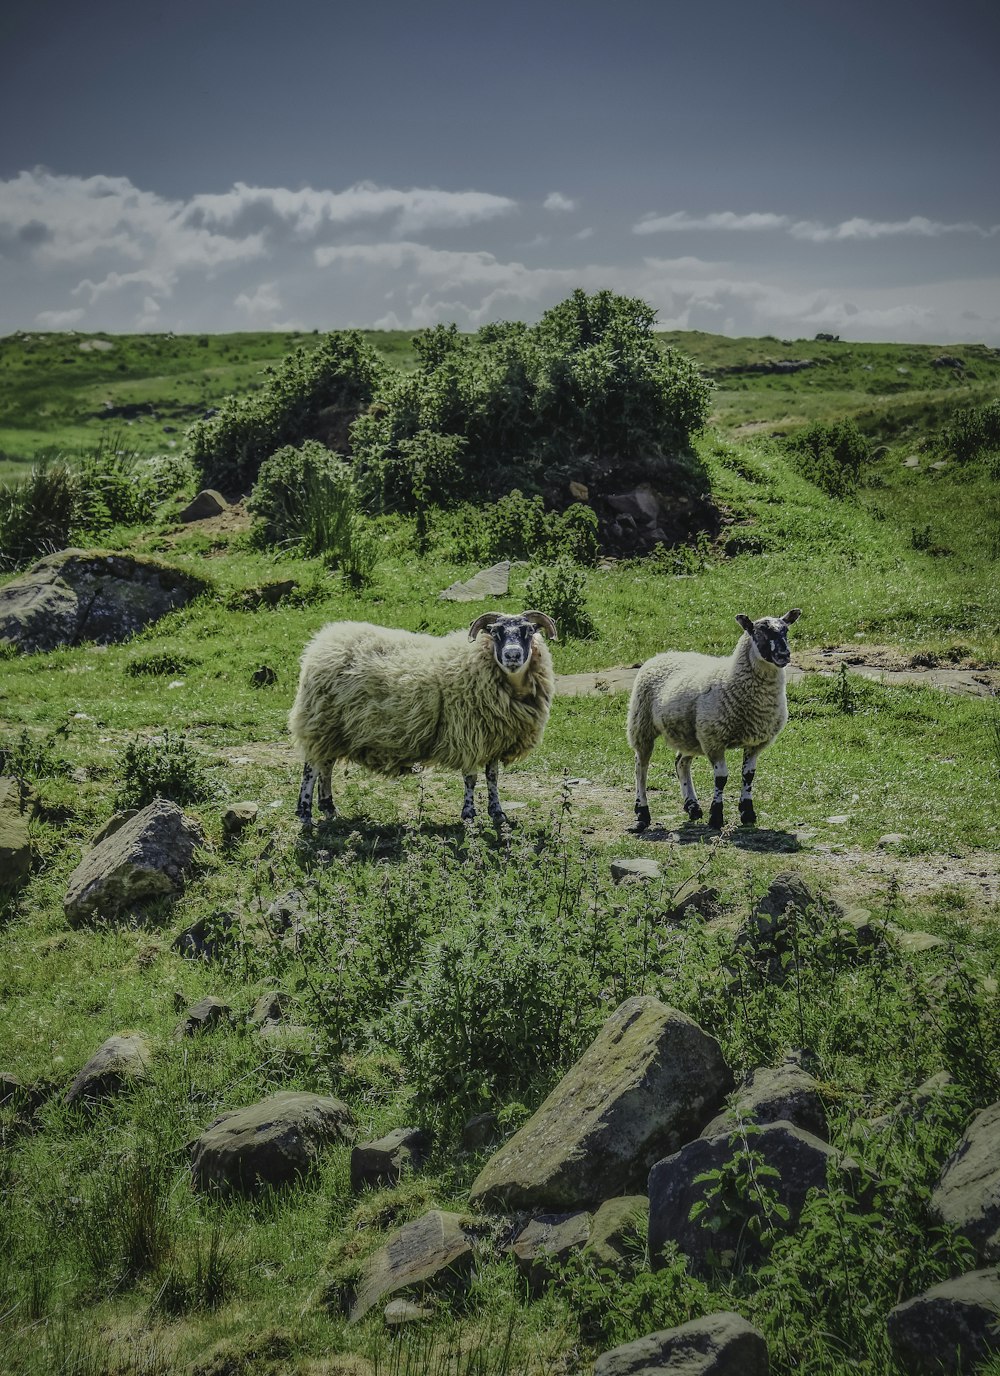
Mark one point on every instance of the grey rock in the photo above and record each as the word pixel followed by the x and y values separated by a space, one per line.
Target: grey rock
pixel 400 1312
pixel 491 582
pixel 384 1162
pixel 114 1068
pixel 546 1242
pixel 148 857
pixel 695 900
pixel 644 1087
pixel 619 1228
pixel 207 503
pixel 641 869
pixel 269 1143
pixel 717 1345
pixel 480 1131
pixel 114 823
pixel 952 1327
pixel 202 1016
pixel 263 595
pixel 22 1098
pixel 891 838
pixel 289 1043
pixel 80 595
pixel 967 1194
pixel 431 1251
pixel 272 1006
pixel 238 817
pixel 771 1094
pixel 264 677
pixel 768 939
pixel 208 937
pixel 801 1162
pixel 18 805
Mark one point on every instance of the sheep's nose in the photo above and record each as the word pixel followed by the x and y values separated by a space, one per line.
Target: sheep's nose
pixel 513 658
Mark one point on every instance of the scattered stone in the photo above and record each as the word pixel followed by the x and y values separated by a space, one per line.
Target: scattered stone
pixel 432 1250
pixel 384 1162
pixel 947 361
pixel 114 1068
pixel 620 1226
pixel 643 1088
pixel 289 1042
pixel 202 1016
pixel 546 1243
pixel 481 1131
pixel 771 1094
pixel 207 937
pixel 953 1327
pixel 838 819
pixel 717 1345
pixel 400 1312
pixel 699 900
pixel 916 1104
pixel 967 1195
pixel 78 595
pixel 580 492
pixel 148 857
pixel 18 805
pixel 208 503
pixel 114 823
pixel 264 595
pixel 263 677
pixel 891 838
pixel 915 943
pixel 238 817
pixel 268 1143
pixel 769 937
pixel 800 1159
pixel 271 1007
pixel 911 462
pixel 491 582
pixel 22 1098
pixel 641 869
pixel 937 467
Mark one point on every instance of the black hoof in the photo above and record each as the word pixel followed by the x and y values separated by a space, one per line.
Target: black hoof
pixel 642 818
pixel 499 819
pixel 468 814
pixel 748 818
pixel 694 811
pixel 715 816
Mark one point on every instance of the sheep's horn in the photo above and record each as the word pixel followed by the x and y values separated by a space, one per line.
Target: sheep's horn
pixel 791 616
pixel 543 622
pixel 482 622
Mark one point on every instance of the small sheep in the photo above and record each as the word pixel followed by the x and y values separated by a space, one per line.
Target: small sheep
pixel 708 704
pixel 390 700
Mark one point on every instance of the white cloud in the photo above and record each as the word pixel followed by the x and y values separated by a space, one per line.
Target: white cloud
pixel 811 230
pixel 585 233
pixel 720 219
pixel 264 300
pixel 59 320
pixel 555 200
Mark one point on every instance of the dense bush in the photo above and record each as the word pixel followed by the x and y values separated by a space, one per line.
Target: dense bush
pixel 561 592
pixel 832 456
pixel 974 433
pixel 311 395
pixel 519 527
pixel 164 767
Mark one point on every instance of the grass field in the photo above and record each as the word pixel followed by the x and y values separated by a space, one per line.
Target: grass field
pixel 446 970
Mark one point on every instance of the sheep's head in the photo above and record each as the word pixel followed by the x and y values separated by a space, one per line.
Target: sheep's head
pixel 770 636
pixel 512 636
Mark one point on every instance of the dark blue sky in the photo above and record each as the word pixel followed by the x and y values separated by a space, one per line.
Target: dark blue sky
pixel 864 135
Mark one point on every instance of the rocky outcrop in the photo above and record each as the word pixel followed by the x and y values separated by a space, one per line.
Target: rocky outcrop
pixel 80 595
pixel 546 1242
pixel 952 1327
pixel 148 857
pixel 619 1230
pixel 18 805
pixel 268 1143
pixel 643 1088
pixel 384 1162
pixel 208 503
pixel 431 1251
pixel 202 1016
pixel 115 1067
pixel 717 1345
pixel 771 1094
pixel 967 1195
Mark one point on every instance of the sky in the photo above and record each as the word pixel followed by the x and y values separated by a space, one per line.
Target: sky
pixel 773 168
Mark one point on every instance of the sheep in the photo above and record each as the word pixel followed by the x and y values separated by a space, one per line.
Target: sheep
pixel 391 700
pixel 706 705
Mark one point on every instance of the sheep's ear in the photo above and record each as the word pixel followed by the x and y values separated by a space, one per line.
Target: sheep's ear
pixel 791 616
pixel 481 623
pixel 543 622
pixel 745 623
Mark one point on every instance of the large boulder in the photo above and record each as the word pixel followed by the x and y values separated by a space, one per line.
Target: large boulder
pixel 717 1345
pixel 79 595
pixel 148 857
pixel 768 940
pixel 771 1094
pixel 18 804
pixel 268 1143
pixel 644 1087
pixel 115 1067
pixel 676 1184
pixel 967 1194
pixel 954 1326
pixel 431 1251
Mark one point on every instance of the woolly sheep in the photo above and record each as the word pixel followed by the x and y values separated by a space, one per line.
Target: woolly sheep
pixel 706 705
pixel 390 700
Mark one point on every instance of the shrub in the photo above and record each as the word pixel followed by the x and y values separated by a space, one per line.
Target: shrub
pixel 519 527
pixel 311 395
pixel 974 432
pixel 164 767
pixel 306 498
pixel 561 592
pixel 832 456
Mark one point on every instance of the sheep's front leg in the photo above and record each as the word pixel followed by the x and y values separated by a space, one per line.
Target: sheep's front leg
pixel 497 814
pixel 721 778
pixel 326 803
pixel 469 805
pixel 747 815
pixel 682 768
pixel 642 817
pixel 304 810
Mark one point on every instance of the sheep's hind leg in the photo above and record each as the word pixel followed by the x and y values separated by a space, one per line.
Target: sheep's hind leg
pixel 682 768
pixel 469 805
pixel 326 803
pixel 497 814
pixel 748 816
pixel 721 778
pixel 642 817
pixel 304 810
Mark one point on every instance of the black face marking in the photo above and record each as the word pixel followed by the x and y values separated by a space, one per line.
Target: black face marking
pixel 512 638
pixel 770 635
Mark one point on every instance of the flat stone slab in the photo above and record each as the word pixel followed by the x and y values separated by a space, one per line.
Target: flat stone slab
pixel 491 582
pixel 717 1345
pixel 115 1067
pixel 644 1087
pixel 148 857
pixel 432 1250
pixel 546 1242
pixel 272 1142
pixel 80 595
pixel 640 869
pixel 967 1194
pixel 954 1326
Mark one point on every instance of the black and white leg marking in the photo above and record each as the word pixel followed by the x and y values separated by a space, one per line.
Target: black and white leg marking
pixel 642 817
pixel 469 805
pixel 682 767
pixel 326 803
pixel 494 808
pixel 748 816
pixel 304 811
pixel 721 778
